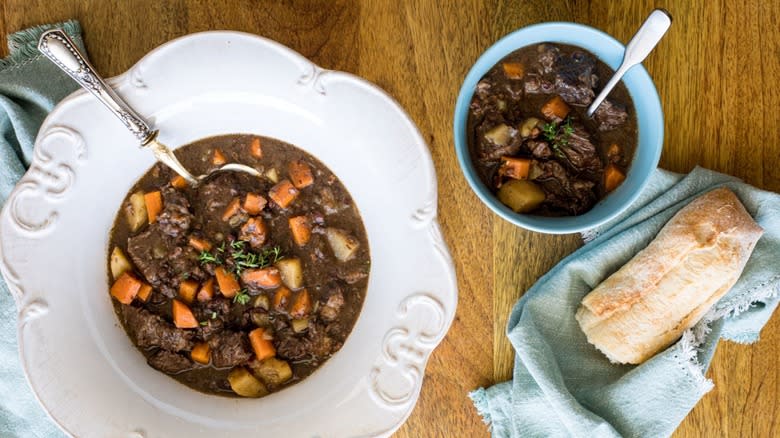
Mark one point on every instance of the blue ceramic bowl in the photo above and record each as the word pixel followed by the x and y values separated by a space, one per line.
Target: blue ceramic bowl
pixel 648 111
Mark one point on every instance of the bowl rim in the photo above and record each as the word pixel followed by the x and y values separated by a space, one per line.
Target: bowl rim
pixel 484 64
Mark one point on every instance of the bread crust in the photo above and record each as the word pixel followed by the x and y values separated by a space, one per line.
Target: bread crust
pixel 671 284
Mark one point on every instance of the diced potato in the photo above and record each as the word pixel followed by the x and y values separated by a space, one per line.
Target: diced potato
pixel 344 245
pixel 136 211
pixel 119 263
pixel 243 383
pixel 272 174
pixel 263 302
pixel 273 371
pixel 291 272
pixel 300 325
pixel 520 195
pixel 526 128
pixel 501 135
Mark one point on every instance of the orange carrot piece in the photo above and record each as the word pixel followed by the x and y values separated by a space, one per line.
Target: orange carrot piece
pixel 178 182
pixel 300 229
pixel 144 292
pixel 300 174
pixel 254 203
pixel 301 306
pixel 266 278
pixel 199 244
pixel 228 284
pixel 516 168
pixel 219 158
pixel 231 210
pixel 187 290
pixel 613 177
pixel 256 149
pixel 283 194
pixel 262 346
pixel 281 298
pixel 125 288
pixel 206 292
pixel 555 108
pixel 182 316
pixel 254 231
pixel 201 353
pixel 513 70
pixel 154 205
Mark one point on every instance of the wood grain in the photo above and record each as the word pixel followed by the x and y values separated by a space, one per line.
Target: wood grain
pixel 716 73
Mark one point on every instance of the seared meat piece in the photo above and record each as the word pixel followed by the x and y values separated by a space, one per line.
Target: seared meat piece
pixel 569 75
pixel 331 304
pixel 229 349
pixel 211 329
pixel 175 218
pixel 212 199
pixel 170 363
pixel 581 153
pixel 548 57
pixel 351 276
pixel 610 115
pixel 150 330
pixel 161 261
pixel 563 191
pixel 315 342
pixel 539 149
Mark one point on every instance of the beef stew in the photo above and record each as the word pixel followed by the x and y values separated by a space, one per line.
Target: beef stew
pixel 531 141
pixel 244 285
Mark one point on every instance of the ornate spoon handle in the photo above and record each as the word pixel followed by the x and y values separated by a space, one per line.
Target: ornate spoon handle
pixel 57 46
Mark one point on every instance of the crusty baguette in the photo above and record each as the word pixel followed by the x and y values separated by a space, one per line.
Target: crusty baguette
pixel 669 286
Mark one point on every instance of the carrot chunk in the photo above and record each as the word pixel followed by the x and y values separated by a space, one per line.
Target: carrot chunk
pixel 262 346
pixel 153 201
pixel 201 353
pixel 182 316
pixel 300 174
pixel 206 292
pixel 613 177
pixel 281 298
pixel 513 70
pixel 228 284
pixel 144 292
pixel 516 168
pixel 199 244
pixel 555 108
pixel 232 209
pixel 187 290
pixel 255 148
pixel 178 182
pixel 283 194
pixel 300 229
pixel 301 306
pixel 266 278
pixel 125 288
pixel 219 158
pixel 254 203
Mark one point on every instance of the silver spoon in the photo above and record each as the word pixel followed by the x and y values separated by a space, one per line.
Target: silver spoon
pixel 58 47
pixel 645 39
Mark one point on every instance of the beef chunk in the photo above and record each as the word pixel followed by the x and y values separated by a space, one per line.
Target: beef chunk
pixel 161 261
pixel 610 115
pixel 570 75
pixel 229 349
pixel 150 330
pixel 212 328
pixel 212 199
pixel 564 191
pixel 175 218
pixel 330 308
pixel 315 343
pixel 581 154
pixel 169 363
pixel 539 149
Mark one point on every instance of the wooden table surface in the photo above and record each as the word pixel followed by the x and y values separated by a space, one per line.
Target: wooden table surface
pixel 717 73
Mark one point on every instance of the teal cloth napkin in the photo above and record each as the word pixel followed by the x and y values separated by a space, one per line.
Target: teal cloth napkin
pixel 562 386
pixel 30 86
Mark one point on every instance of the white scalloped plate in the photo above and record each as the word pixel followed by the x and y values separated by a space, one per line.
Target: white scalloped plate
pixel 54 237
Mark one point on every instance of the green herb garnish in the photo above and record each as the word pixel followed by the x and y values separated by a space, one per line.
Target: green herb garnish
pixel 204 323
pixel 213 315
pixel 558 134
pixel 207 257
pixel 242 297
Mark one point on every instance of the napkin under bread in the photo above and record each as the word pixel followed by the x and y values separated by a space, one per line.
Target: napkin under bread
pixel 30 86
pixel 563 386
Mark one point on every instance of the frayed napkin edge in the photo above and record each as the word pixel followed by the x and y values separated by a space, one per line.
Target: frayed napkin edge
pixel 23 45
pixel 480 399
